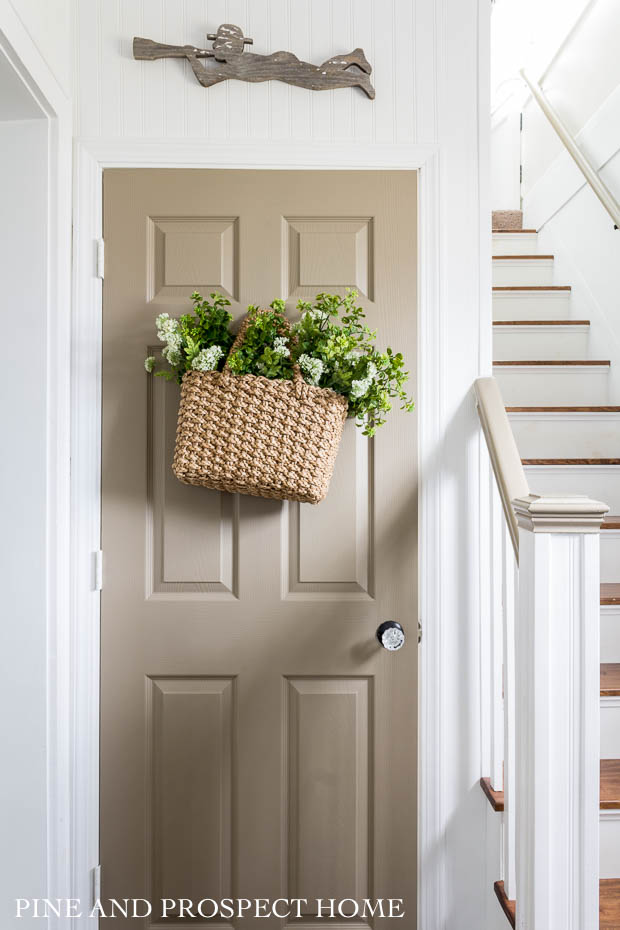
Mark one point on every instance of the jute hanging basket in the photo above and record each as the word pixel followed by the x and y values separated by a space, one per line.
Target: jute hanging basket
pixel 258 436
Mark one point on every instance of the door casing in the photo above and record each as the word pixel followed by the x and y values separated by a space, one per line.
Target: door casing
pixel 90 162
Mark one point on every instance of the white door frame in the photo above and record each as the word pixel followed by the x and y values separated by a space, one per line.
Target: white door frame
pixel 90 161
pixel 18 48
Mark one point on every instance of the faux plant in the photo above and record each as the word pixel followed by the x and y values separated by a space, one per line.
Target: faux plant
pixel 197 341
pixel 331 343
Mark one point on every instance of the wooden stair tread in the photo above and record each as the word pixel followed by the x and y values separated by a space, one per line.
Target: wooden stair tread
pixel 509 907
pixel 495 798
pixel 611 522
pixel 610 679
pixel 609 903
pixel 511 232
pixel 531 287
pixel 610 787
pixel 610 594
pixel 555 362
pixel 511 258
pixel 610 784
pixel 541 322
pixel 563 409
pixel 570 461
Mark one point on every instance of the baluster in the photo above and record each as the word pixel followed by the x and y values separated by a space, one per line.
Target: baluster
pixel 496 640
pixel 510 596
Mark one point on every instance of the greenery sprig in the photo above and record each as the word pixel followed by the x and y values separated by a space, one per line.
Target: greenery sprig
pixel 331 343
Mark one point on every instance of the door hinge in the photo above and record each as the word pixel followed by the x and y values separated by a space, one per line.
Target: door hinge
pixel 520 174
pixel 95 886
pixel 97 570
pixel 419 631
pixel 520 122
pixel 100 258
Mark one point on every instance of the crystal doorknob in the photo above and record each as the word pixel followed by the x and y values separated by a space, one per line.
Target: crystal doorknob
pixel 391 635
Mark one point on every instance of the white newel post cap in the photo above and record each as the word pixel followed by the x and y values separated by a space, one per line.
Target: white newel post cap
pixel 562 514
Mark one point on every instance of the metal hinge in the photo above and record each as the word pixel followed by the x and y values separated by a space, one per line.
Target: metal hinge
pixel 520 122
pixel 96 886
pixel 97 570
pixel 419 631
pixel 520 174
pixel 100 258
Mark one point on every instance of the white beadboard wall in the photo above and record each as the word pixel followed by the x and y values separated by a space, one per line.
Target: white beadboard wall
pixel 118 97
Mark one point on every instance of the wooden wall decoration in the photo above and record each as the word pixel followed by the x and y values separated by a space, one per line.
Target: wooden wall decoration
pixel 229 63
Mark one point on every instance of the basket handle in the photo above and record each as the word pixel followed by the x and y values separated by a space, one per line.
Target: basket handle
pixel 240 337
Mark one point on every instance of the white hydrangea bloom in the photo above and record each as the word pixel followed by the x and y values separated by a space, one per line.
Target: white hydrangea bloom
pixel 319 316
pixel 168 330
pixel 311 367
pixel 359 388
pixel 280 347
pixel 172 354
pixel 149 363
pixel 207 359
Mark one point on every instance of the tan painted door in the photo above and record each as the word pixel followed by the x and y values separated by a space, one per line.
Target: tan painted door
pixel 256 741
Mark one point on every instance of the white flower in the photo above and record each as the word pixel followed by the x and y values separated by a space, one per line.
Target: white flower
pixel 207 359
pixel 280 347
pixel 319 316
pixel 311 367
pixel 168 330
pixel 149 363
pixel 359 388
pixel 371 371
pixel 172 354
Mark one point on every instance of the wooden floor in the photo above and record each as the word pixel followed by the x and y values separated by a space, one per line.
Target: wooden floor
pixel 609 907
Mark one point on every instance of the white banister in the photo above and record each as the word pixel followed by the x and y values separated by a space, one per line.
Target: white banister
pixel 540 633
pixel 594 180
pixel 503 452
pixel 557 713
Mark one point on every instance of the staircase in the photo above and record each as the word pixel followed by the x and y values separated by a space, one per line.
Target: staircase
pixel 568 436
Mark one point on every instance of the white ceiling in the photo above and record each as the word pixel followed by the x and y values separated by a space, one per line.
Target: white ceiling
pixel 16 101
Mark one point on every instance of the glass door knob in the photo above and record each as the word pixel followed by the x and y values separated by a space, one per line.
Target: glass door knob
pixel 391 635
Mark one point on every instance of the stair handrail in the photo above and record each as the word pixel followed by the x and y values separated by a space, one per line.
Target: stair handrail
pixel 590 174
pixel 503 453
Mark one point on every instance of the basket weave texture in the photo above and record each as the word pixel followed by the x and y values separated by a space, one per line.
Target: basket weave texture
pixel 259 436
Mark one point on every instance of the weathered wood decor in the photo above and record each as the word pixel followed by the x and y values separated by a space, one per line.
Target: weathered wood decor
pixel 231 64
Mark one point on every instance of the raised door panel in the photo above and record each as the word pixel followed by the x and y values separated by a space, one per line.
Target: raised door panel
pixel 190 777
pixel 329 778
pixel 192 533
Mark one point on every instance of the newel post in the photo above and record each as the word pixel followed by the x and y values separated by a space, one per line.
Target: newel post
pixel 557 683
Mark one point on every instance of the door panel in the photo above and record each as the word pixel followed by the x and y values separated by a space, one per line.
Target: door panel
pixel 255 739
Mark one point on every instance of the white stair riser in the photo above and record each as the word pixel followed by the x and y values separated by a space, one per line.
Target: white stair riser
pixel 522 271
pixel 610 728
pixel 534 342
pixel 515 243
pixel 600 482
pixel 531 305
pixel 571 385
pixel 610 637
pixel 609 844
pixel 610 556
pixel 570 435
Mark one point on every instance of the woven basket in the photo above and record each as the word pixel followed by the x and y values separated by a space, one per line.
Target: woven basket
pixel 255 435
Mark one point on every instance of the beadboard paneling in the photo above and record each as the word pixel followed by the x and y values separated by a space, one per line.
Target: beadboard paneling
pixel 117 97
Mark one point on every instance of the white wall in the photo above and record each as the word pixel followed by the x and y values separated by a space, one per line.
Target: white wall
pixel 430 60
pixel 48 22
pixel 574 225
pixel 23 503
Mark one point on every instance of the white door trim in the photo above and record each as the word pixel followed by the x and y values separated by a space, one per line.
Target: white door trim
pixel 20 51
pixel 91 158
